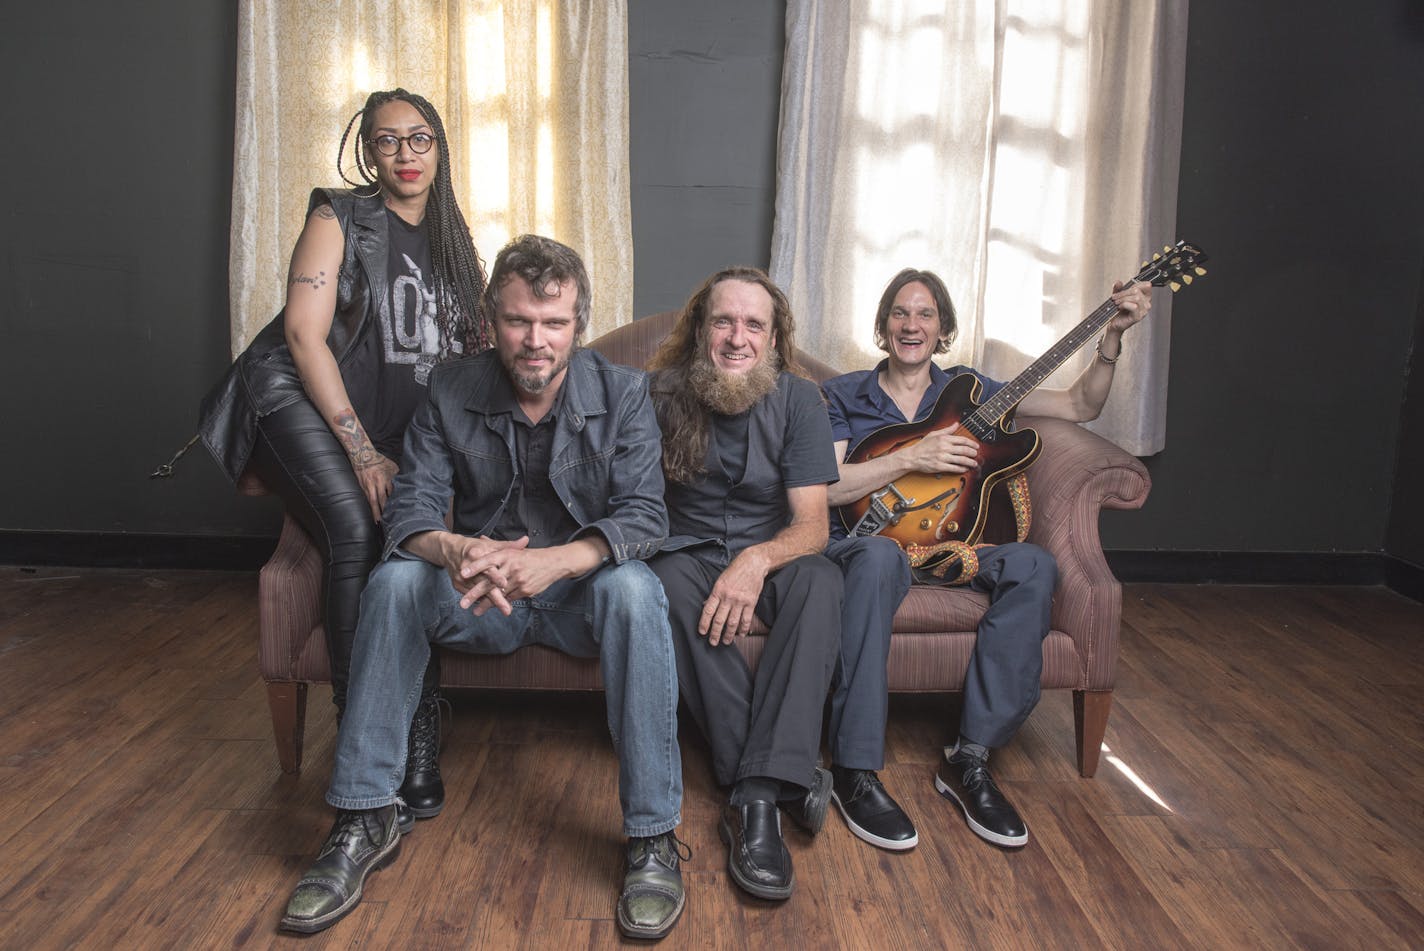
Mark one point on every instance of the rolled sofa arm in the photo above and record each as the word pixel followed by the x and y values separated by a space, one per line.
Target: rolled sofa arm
pixel 1077 474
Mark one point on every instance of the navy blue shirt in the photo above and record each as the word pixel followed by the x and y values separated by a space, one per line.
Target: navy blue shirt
pixel 858 406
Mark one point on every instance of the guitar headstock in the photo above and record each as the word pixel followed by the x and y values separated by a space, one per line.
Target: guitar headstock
pixel 1173 266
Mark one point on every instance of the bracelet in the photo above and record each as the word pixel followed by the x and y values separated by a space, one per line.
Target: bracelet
pixel 1104 357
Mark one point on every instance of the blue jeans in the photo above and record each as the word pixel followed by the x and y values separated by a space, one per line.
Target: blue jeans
pixel 618 614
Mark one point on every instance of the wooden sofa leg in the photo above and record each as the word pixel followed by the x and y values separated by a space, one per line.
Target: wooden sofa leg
pixel 1090 722
pixel 288 700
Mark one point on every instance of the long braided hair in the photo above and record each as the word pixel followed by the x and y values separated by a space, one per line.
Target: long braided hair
pixel 459 272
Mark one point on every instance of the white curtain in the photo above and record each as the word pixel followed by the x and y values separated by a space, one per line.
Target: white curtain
pixel 1027 152
pixel 534 95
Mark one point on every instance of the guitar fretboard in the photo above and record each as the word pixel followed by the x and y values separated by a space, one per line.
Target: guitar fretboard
pixel 983 420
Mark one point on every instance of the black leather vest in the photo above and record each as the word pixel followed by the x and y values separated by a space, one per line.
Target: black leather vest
pixel 263 379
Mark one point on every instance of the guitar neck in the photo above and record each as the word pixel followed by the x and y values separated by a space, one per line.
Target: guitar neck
pixel 988 415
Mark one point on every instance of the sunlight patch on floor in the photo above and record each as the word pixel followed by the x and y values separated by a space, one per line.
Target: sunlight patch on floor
pixel 1135 779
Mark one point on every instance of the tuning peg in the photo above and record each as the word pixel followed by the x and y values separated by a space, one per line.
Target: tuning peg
pixel 1156 257
pixel 1187 278
pixel 1144 263
pixel 1174 286
pixel 1167 248
pixel 1201 271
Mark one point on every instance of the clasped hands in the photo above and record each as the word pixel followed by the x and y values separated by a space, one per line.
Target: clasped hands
pixel 490 573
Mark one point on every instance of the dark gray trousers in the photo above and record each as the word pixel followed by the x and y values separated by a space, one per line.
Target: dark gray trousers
pixel 768 725
pixel 877 578
pixel 1002 685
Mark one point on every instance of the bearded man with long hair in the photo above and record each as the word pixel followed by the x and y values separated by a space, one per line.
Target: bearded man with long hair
pixel 746 460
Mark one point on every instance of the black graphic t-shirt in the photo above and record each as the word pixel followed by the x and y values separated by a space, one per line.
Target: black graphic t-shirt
pixel 404 348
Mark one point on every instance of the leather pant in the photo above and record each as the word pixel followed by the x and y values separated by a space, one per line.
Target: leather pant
pixel 297 457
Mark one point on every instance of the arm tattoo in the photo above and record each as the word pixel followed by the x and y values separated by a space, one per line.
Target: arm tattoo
pixel 355 441
pixel 319 281
pixel 316 282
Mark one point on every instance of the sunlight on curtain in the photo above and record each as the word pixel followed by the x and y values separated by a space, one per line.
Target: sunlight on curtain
pixel 1025 150
pixel 534 95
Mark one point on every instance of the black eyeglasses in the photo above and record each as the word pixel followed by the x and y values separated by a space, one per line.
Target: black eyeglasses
pixel 419 143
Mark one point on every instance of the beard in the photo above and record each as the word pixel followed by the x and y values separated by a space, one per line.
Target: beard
pixel 534 383
pixel 732 394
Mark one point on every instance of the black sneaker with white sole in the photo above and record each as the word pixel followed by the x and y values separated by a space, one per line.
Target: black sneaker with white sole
pixel 966 780
pixel 871 813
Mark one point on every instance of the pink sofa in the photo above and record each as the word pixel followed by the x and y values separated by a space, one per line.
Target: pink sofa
pixel 1076 476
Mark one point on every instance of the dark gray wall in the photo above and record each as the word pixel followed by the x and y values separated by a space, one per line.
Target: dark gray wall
pixel 1300 177
pixel 704 84
pixel 1301 153
pixel 114 262
pixel 1405 536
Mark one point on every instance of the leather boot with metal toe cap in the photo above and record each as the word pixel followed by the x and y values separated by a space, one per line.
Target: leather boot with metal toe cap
pixel 809 811
pixel 652 897
pixel 757 858
pixel 966 780
pixel 423 791
pixel 360 842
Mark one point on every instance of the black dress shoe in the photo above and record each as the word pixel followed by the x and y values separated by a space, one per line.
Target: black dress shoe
pixel 423 791
pixel 871 814
pixel 756 857
pixel 360 842
pixel 809 811
pixel 652 896
pixel 966 780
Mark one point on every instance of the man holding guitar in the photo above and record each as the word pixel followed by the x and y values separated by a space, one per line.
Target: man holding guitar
pixel 914 322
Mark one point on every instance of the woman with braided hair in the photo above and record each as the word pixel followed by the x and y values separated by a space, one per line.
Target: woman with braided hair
pixel 384 283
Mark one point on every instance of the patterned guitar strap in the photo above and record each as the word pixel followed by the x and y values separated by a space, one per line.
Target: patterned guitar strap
pixel 938 559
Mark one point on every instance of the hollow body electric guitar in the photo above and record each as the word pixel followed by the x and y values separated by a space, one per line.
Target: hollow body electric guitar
pixel 923 510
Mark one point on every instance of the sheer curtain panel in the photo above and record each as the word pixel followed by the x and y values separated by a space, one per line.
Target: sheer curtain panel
pixel 1027 152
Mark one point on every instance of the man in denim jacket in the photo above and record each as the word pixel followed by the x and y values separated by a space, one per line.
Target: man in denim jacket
pixel 551 457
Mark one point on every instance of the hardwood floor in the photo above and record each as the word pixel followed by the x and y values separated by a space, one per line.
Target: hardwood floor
pixel 1261 789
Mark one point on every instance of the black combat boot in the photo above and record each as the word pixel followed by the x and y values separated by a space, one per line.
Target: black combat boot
pixel 423 792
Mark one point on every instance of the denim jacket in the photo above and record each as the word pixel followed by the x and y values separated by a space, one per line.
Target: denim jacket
pixel 606 464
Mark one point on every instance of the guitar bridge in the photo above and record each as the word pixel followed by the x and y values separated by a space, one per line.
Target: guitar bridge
pixel 878 515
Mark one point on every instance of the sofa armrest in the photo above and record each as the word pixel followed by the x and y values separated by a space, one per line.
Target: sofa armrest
pixel 1077 475
pixel 288 603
